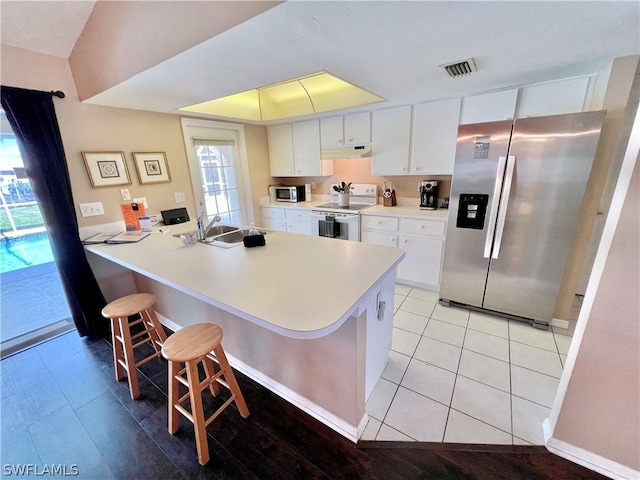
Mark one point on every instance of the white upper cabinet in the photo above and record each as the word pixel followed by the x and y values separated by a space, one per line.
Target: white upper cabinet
pixel 294 150
pixel 391 138
pixel 357 128
pixel 332 131
pixel 306 148
pixel 281 150
pixel 353 129
pixel 434 137
pixel 555 98
pixel 489 107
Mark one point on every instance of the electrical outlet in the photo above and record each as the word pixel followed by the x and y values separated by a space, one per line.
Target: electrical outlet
pixel 179 197
pixel 142 200
pixel 91 209
pixel 313 185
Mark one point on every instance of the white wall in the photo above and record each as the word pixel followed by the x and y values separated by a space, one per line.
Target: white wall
pixel 595 420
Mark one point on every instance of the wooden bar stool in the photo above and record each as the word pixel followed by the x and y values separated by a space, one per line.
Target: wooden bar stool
pixel 119 311
pixel 199 343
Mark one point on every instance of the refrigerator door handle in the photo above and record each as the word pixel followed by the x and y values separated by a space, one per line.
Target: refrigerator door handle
pixel 511 163
pixel 493 215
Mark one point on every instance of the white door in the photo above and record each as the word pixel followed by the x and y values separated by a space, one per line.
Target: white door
pixel 219 172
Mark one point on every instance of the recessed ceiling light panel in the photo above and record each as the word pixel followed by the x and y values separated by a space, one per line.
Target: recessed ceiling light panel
pixel 316 93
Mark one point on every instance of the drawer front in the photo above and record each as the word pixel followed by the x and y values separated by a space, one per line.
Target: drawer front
pixel 273 213
pixel 377 238
pixel 274 224
pixel 418 226
pixel 377 222
pixel 299 227
pixel 298 214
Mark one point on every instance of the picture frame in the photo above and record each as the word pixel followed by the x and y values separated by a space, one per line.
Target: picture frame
pixel 152 167
pixel 106 169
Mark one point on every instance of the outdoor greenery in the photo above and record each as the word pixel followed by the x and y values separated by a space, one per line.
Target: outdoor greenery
pixel 28 216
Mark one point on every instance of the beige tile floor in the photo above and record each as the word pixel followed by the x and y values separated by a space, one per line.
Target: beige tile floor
pixel 456 375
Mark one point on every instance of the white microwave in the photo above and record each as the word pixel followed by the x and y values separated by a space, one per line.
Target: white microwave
pixel 293 194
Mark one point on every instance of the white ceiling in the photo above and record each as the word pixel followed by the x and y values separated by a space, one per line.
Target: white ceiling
pixel 392 49
pixel 45 27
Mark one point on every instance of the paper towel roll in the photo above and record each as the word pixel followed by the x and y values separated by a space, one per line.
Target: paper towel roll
pixel 307 192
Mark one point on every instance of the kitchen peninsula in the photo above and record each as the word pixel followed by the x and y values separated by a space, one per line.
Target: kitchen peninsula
pixel 310 318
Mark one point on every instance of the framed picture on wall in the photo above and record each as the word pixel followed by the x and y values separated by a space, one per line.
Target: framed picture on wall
pixel 152 167
pixel 106 169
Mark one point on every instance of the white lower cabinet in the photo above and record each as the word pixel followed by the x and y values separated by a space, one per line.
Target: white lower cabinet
pixel 298 220
pixel 283 219
pixel 273 218
pixel 422 240
pixel 423 260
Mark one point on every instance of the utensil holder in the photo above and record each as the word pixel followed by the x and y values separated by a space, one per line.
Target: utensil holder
pixel 389 199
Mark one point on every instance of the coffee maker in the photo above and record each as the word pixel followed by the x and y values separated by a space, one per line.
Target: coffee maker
pixel 428 194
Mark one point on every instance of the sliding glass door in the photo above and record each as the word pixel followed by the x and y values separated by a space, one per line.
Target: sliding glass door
pixel 33 302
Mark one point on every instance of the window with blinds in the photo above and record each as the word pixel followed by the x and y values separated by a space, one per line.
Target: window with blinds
pixel 219 179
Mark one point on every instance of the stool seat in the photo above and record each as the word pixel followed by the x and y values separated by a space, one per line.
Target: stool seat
pixel 191 346
pixel 119 311
pixel 129 305
pixel 192 342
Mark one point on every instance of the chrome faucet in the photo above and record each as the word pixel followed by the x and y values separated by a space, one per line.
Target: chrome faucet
pixel 215 219
pixel 202 230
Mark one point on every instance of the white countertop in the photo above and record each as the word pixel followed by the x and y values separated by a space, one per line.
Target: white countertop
pixel 309 204
pixel 378 209
pixel 297 285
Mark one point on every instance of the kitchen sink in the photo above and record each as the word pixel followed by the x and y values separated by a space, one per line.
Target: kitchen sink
pixel 230 238
pixel 216 230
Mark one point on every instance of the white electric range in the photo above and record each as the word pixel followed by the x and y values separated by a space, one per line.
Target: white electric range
pixel 333 221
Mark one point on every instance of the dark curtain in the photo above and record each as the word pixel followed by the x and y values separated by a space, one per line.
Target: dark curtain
pixel 32 116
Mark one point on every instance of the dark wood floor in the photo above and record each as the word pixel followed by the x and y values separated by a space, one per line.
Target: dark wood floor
pixel 62 406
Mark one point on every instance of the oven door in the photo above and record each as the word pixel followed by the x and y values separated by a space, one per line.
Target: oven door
pixel 345 226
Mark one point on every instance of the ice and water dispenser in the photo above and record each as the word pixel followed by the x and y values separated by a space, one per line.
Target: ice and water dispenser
pixel 472 210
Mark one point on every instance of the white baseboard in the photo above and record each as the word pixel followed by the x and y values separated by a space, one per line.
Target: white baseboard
pixel 337 424
pixel 587 459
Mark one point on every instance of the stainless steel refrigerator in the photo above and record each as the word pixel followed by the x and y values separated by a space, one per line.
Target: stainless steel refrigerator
pixel 517 189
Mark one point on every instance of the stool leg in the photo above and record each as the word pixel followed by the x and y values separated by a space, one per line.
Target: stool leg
pixel 210 371
pixel 157 326
pixel 174 395
pixel 231 380
pixel 197 411
pixel 117 348
pixel 129 358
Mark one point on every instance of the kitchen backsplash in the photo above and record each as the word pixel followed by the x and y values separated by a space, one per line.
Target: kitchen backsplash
pixel 358 170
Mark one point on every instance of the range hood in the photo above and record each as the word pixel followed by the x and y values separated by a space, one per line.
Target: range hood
pixel 346 151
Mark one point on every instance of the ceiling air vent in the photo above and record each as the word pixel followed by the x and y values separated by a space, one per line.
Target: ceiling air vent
pixel 459 69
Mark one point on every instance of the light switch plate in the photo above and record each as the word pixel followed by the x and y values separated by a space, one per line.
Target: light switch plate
pixel 124 193
pixel 91 209
pixel 179 197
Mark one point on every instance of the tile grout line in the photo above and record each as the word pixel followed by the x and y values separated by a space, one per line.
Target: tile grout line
pixel 455 381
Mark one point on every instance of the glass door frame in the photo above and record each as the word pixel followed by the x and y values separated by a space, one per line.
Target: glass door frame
pixel 214 130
